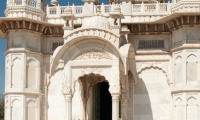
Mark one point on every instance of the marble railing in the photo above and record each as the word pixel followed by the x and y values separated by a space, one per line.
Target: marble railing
pixel 183 6
pixel 151 8
pixel 145 9
pixel 53 11
pixel 144 12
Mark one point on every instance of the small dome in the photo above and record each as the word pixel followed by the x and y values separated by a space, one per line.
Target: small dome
pixel 116 9
pixel 97 21
pixel 68 10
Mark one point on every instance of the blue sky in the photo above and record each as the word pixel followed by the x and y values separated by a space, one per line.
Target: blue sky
pixel 3 42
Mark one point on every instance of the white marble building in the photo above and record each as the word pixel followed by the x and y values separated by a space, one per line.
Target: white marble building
pixel 128 60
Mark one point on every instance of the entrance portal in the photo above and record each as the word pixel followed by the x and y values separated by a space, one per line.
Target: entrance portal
pixel 102 102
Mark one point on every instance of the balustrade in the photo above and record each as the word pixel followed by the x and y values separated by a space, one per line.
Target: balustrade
pixel 32 3
pixel 17 2
pixel 151 8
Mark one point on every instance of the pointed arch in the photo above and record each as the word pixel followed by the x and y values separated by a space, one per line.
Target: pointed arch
pixel 192 101
pixel 178 101
pixel 31 110
pixel 192 108
pixel 16 76
pixel 30 103
pixel 15 106
pixel 192 69
pixel 192 58
pixel 178 59
pixel 178 109
pixel 31 73
pixel 178 69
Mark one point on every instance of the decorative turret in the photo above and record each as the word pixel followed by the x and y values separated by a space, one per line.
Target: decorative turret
pixel 116 17
pixel 54 2
pixel 33 9
pixel 68 18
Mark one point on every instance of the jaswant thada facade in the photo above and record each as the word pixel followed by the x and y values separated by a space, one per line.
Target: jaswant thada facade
pixel 128 60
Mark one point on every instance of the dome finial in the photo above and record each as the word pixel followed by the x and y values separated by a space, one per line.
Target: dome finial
pixel 54 2
pixel 68 9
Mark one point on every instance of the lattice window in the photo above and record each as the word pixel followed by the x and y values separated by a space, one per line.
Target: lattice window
pixel 151 44
pixel 32 3
pixel 18 2
pixel 107 9
pixel 56 44
pixel 79 10
pixel 53 11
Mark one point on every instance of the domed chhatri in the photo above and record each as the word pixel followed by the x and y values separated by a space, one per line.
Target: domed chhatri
pixel 97 21
pixel 116 9
pixel 68 10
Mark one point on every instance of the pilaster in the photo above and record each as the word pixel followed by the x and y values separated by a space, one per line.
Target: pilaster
pixel 68 100
pixel 115 106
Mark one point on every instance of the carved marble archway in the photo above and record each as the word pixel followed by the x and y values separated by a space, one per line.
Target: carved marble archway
pixel 164 66
pixel 94 51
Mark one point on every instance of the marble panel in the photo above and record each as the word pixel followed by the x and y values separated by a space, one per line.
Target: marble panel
pixel 178 72
pixel 192 71
pixel 152 96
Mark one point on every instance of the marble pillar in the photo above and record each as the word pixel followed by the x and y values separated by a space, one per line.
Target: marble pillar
pixel 115 106
pixel 68 99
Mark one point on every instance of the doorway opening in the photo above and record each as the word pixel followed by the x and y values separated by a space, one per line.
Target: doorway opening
pixel 102 102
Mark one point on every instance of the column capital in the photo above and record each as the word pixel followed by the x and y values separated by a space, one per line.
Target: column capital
pixel 68 97
pixel 115 96
pixel 115 90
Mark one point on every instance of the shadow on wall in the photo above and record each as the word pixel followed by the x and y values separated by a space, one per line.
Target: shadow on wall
pixel 142 103
pixel 152 96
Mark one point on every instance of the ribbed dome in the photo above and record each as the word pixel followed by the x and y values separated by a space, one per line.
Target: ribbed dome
pixel 97 21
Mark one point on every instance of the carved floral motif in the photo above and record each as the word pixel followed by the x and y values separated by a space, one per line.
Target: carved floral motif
pixel 92 54
pixel 103 71
pixel 65 85
pixel 94 32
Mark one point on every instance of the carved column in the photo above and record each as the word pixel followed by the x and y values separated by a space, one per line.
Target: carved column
pixel 115 106
pixel 68 99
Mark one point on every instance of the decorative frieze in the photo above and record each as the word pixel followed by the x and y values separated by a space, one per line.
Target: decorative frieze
pixel 92 55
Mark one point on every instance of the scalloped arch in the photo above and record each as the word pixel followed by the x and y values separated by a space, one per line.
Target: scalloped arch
pixel 155 67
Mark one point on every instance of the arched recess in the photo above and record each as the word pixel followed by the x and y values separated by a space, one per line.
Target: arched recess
pixel 178 70
pixel 178 109
pixel 15 106
pixel 149 66
pixel 192 108
pixel 192 69
pixel 152 83
pixel 91 51
pixel 31 110
pixel 80 34
pixel 31 74
pixel 16 76
pixel 84 92
pixel 105 56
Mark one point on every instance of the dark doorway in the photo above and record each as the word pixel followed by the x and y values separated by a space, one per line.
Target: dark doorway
pixel 102 102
